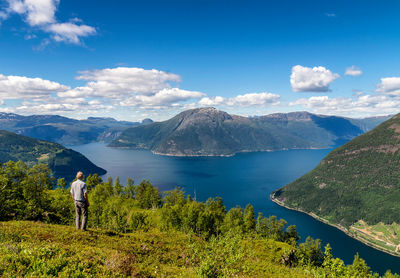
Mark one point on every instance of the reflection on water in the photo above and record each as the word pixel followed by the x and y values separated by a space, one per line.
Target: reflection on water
pixel 239 180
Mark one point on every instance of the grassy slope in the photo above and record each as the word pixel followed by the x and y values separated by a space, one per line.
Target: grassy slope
pixel 358 181
pixel 35 249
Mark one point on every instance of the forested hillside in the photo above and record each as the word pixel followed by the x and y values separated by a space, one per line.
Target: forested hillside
pixel 62 161
pixel 356 187
pixel 134 230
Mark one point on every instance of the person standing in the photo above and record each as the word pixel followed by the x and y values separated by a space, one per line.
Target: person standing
pixel 79 195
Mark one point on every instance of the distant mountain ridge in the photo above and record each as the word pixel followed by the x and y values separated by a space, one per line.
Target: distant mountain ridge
pixel 209 132
pixel 62 161
pixel 356 187
pixel 65 130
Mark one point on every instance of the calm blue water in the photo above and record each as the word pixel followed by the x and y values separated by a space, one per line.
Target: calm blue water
pixel 239 180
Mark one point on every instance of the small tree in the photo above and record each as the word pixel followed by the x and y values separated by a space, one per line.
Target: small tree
pixel 310 253
pixel 249 219
pixel 147 195
pixel 61 183
pixel 92 181
pixel 108 186
pixel 234 221
pixel 130 189
pixel 118 188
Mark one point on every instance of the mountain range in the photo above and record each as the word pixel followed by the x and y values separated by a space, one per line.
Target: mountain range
pixel 65 130
pixel 210 132
pixel 356 188
pixel 62 161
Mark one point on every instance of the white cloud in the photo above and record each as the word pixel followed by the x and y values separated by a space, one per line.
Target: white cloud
pixel 41 14
pixel 127 80
pixel 121 82
pixel 246 100
pixel 128 87
pixel 254 99
pixel 164 98
pixel 316 79
pixel 361 104
pixel 70 32
pixel 389 86
pixel 21 87
pixel 56 106
pixel 353 71
pixel 37 12
pixel 46 108
pixel 123 88
pixel 212 101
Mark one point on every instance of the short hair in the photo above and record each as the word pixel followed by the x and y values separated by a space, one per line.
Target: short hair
pixel 79 175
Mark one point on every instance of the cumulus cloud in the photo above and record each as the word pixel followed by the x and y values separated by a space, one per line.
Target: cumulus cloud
pixel 70 32
pixel 361 104
pixel 316 79
pixel 128 85
pixel 164 98
pixel 117 87
pixel 36 12
pixel 246 100
pixel 111 82
pixel 353 71
pixel 21 87
pixel 212 101
pixel 41 14
pixel 57 108
pixel 389 86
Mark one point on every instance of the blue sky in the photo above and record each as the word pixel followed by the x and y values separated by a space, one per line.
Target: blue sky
pixel 137 59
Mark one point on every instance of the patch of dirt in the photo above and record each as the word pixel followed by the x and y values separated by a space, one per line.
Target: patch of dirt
pixel 396 127
pixel 43 156
pixel 322 185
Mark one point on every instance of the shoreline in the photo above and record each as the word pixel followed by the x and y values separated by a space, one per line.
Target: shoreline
pixel 341 228
pixel 219 155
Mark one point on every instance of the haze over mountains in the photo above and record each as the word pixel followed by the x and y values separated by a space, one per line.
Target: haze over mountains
pixel 356 187
pixel 208 132
pixel 65 130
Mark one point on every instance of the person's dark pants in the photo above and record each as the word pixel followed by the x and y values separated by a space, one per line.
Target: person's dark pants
pixel 81 209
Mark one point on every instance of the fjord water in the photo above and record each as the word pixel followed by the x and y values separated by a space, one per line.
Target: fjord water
pixel 242 179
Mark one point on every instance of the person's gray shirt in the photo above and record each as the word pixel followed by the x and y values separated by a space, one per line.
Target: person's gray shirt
pixel 78 188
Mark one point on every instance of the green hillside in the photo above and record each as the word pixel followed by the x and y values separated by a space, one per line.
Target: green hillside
pixel 207 131
pixel 41 250
pixel 62 161
pixel 135 231
pixel 356 187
